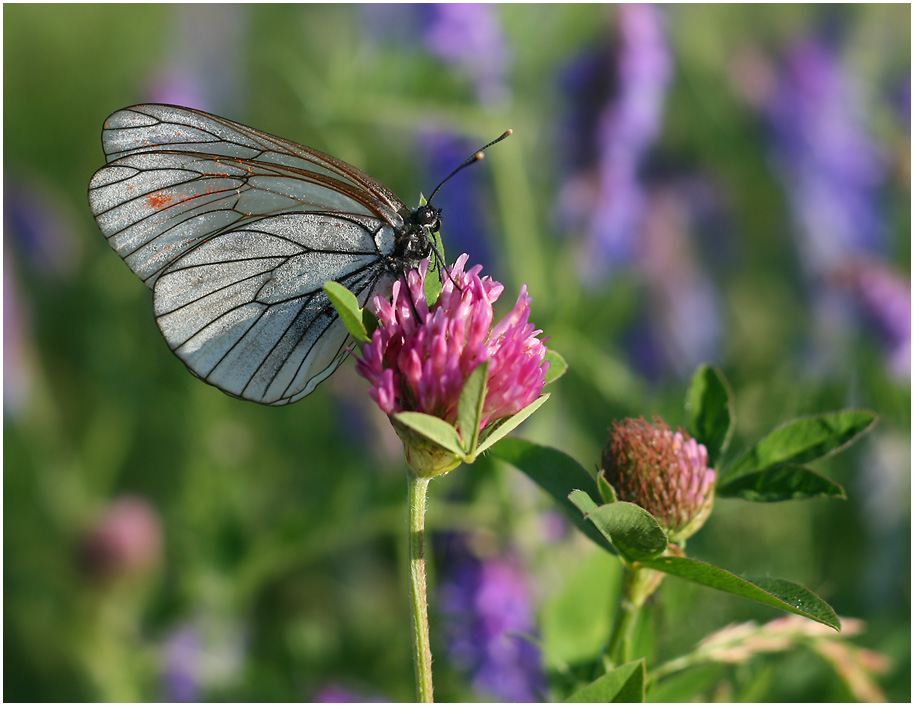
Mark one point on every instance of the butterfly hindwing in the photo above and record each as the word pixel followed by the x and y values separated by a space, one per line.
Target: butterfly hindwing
pixel 246 311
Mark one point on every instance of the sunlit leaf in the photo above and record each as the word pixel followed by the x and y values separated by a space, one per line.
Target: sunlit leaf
pixel 709 411
pixel 434 429
pixel 347 306
pixel 802 440
pixel 631 529
pixel 778 593
pixel 624 684
pixel 787 482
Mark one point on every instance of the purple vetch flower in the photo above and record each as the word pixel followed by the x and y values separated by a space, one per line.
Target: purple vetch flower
pixel 883 297
pixel 831 169
pixel 41 225
pixel 181 669
pixel 664 472
pixel 201 655
pixel 419 358
pixel 468 36
pixel 682 301
pixel 18 356
pixel 604 194
pixel 488 621
pixel 204 49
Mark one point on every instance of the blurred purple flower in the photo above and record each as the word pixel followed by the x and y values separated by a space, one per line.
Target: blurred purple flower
pixel 469 37
pixel 201 655
pixel 182 656
pixel 18 358
pixel 488 619
pixel 831 169
pixel 40 224
pixel 684 322
pixel 204 51
pixel 883 297
pixel 618 102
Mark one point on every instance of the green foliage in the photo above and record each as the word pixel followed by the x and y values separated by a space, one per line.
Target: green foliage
pixel 781 482
pixel 467 450
pixel 801 441
pixel 347 306
pixel 577 616
pixel 778 593
pixel 709 408
pixel 557 366
pixel 624 684
pixel 633 532
pixel 469 407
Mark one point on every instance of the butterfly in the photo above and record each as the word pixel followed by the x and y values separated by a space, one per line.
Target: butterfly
pixel 236 231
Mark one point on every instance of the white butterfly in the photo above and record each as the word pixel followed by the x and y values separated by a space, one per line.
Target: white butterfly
pixel 236 231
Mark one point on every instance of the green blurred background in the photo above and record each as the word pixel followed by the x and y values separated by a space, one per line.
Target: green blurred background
pixel 260 555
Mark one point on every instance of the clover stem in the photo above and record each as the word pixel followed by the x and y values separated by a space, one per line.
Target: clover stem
pixel 635 590
pixel 422 652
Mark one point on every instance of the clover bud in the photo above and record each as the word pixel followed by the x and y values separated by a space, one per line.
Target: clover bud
pixel 663 471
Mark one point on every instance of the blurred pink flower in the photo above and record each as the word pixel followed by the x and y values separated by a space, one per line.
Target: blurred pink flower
pixel 125 541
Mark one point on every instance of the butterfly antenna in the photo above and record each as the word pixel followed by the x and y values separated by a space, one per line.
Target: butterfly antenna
pixel 475 157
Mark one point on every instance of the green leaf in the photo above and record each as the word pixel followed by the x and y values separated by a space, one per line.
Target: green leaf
pixel 557 366
pixel 509 424
pixel 434 429
pixel 688 686
pixel 709 410
pixel 347 306
pixel 631 529
pixel 469 407
pixel 624 684
pixel 802 440
pixel 606 490
pixel 556 473
pixel 433 283
pixel 778 593
pixel 787 482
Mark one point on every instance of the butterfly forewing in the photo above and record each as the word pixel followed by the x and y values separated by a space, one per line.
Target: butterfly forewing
pixel 236 231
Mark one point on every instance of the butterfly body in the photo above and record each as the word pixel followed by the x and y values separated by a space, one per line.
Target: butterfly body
pixel 236 231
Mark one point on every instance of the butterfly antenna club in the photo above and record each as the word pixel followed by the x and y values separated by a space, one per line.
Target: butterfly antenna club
pixel 473 158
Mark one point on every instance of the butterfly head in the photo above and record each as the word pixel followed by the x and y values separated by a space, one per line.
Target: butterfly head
pixel 414 241
pixel 427 218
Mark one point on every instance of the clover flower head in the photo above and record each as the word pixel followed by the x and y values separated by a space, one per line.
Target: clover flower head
pixel 663 471
pixel 420 356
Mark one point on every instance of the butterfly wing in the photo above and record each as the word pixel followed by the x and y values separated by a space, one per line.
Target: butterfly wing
pixel 247 312
pixel 177 176
pixel 236 232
